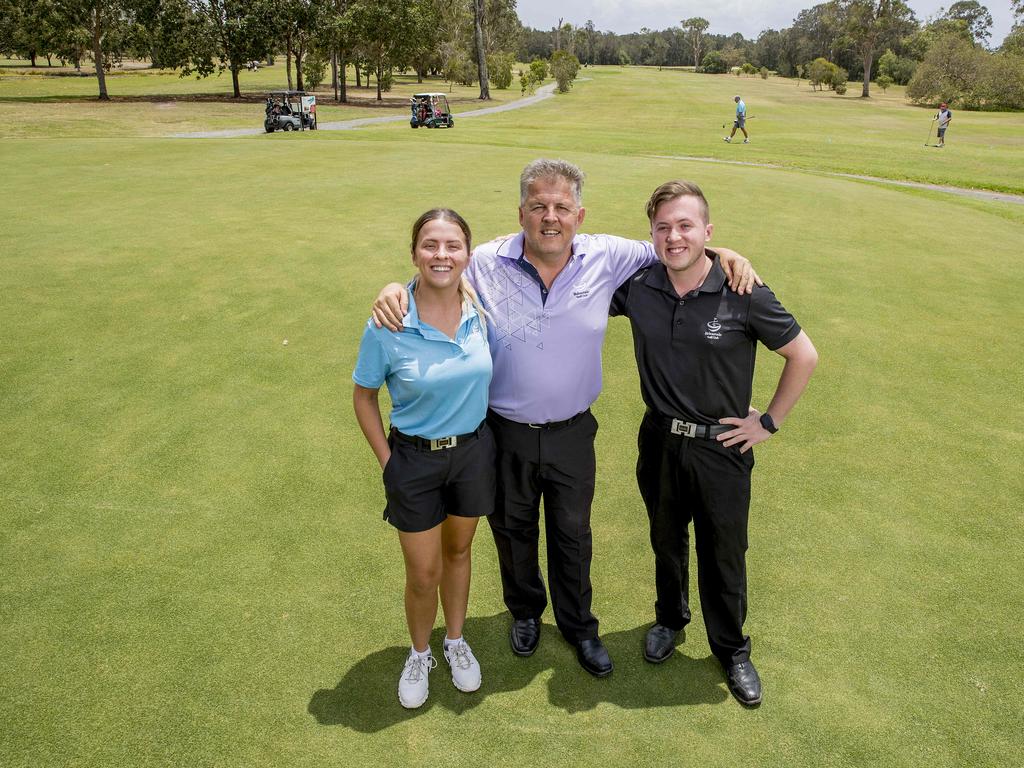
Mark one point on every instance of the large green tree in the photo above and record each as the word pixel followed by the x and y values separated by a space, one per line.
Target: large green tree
pixel 873 25
pixel 695 27
pixel 384 29
pixel 232 32
pixel 107 25
pixel 975 15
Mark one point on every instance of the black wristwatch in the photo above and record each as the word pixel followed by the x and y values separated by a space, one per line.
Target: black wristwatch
pixel 768 423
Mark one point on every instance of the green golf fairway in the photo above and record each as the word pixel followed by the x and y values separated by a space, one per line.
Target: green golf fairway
pixel 195 567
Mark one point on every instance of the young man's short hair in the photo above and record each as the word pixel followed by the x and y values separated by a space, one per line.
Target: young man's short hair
pixel 670 190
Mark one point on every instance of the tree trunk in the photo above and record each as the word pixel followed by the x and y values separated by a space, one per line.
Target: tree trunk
pixel 866 90
pixel 358 81
pixel 379 71
pixel 288 58
pixel 481 52
pixel 97 51
pixel 334 73
pixel 298 68
pixel 234 80
pixel 32 57
pixel 341 76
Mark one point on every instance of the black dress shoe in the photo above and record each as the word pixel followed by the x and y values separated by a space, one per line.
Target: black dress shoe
pixel 593 657
pixel 660 643
pixel 524 636
pixel 744 683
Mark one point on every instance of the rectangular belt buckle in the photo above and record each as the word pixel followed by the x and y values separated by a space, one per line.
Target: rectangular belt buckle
pixel 443 442
pixel 684 428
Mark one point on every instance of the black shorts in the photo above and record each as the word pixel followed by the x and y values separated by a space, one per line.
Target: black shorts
pixel 423 486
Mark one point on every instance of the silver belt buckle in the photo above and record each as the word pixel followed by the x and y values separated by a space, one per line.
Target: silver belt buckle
pixel 443 442
pixel 684 428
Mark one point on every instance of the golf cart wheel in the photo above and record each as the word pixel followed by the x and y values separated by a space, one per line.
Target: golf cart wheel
pixel 289 127
pixel 414 126
pixel 269 128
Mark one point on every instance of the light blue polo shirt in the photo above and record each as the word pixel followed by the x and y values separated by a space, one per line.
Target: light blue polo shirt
pixel 438 385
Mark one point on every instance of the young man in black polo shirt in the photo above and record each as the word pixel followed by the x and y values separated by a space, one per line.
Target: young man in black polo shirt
pixel 695 343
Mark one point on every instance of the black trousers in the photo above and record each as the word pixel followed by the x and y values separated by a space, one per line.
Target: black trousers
pixel 558 465
pixel 685 479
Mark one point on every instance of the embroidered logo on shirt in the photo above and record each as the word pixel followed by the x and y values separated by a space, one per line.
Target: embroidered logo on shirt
pixel 581 289
pixel 714 330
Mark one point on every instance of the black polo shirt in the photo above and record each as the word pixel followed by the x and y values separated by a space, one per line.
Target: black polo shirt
pixel 695 353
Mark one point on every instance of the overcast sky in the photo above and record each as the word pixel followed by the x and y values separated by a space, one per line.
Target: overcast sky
pixel 726 16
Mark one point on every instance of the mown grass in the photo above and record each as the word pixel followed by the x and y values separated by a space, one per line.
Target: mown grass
pixel 195 569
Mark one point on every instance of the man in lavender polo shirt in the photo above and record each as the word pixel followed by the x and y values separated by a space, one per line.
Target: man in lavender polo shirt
pixel 547 291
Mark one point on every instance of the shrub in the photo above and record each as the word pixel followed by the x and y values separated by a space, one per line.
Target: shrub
pixel 884 82
pixel 764 73
pixel 564 67
pixel 539 70
pixel 314 70
pixel 838 79
pixel 713 63
pixel 898 68
pixel 819 72
pixel 748 68
pixel 953 71
pixel 499 69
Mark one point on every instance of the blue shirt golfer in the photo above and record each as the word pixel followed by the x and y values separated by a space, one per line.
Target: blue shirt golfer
pixel 740 121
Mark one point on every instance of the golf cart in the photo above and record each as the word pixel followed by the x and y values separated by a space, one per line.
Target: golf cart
pixel 431 111
pixel 290 111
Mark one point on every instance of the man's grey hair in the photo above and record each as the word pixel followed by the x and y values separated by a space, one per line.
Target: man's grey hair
pixel 551 169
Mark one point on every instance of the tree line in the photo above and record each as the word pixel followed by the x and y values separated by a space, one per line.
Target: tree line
pixel 879 41
pixel 455 39
pixel 478 41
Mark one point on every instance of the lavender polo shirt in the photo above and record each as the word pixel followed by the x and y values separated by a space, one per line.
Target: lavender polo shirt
pixel 546 345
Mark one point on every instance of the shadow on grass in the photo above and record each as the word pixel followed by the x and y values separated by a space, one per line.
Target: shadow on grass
pixel 366 698
pixel 636 683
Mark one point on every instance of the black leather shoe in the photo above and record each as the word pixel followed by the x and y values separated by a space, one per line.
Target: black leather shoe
pixel 524 636
pixel 593 657
pixel 744 683
pixel 660 643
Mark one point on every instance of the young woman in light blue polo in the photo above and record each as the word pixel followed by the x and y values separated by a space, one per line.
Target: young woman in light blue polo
pixel 438 458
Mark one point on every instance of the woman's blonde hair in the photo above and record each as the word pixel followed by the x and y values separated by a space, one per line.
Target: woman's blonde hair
pixel 447 214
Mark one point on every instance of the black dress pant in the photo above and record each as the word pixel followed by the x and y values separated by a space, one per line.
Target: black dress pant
pixel 686 479
pixel 556 464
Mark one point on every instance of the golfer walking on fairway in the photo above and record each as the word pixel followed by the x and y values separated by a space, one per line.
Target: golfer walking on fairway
pixel 945 117
pixel 740 122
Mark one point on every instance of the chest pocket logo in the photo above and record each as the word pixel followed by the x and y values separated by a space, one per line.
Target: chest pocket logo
pixel 713 332
pixel 581 289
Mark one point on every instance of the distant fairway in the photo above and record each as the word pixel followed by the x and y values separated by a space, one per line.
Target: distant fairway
pixel 195 569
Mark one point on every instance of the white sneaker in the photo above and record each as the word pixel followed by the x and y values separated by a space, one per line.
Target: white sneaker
pixel 465 667
pixel 413 685
pixel 746 141
pixel 727 140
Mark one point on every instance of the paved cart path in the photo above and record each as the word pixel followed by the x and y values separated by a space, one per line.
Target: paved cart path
pixel 977 194
pixel 544 92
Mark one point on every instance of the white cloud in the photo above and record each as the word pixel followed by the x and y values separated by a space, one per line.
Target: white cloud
pixel 726 16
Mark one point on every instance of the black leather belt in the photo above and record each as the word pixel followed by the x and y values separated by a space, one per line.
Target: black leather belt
pixel 687 428
pixel 438 443
pixel 545 425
